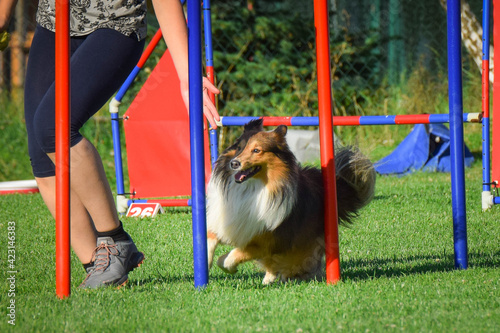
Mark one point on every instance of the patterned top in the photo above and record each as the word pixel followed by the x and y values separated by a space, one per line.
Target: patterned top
pixel 86 16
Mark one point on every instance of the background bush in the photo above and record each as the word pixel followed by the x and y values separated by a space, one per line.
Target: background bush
pixel 387 58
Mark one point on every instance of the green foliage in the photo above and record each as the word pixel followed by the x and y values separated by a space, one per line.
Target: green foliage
pixel 264 64
pixel 265 57
pixel 420 92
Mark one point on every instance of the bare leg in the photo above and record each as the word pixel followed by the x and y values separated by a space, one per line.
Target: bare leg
pixel 89 182
pixel 92 203
pixel 83 235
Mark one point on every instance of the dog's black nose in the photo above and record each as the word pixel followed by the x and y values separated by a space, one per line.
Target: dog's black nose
pixel 235 164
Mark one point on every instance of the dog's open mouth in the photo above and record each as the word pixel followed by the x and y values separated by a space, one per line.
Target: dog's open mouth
pixel 243 175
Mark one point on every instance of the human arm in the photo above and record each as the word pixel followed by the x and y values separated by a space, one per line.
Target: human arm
pixel 6 10
pixel 170 15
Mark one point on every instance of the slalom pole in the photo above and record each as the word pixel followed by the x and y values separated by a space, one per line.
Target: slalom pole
pixel 117 149
pixel 495 121
pixel 352 120
pixel 326 141
pixel 207 20
pixel 163 202
pixel 487 197
pixel 62 113
pixel 133 74
pixel 114 106
pixel 197 145
pixel 456 134
pixel 209 62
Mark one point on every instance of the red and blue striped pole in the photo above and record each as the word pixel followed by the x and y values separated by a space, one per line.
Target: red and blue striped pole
pixel 197 145
pixel 144 57
pixel 114 111
pixel 487 197
pixel 456 134
pixel 163 202
pixel 209 63
pixel 352 120
pixel 495 121
pixel 63 113
pixel 207 20
pixel 326 141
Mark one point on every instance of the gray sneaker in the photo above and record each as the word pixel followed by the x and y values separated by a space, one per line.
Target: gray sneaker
pixel 112 262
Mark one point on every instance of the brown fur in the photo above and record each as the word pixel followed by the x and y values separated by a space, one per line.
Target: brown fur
pixel 292 247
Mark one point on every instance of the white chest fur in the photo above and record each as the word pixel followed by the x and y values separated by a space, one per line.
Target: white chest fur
pixel 244 210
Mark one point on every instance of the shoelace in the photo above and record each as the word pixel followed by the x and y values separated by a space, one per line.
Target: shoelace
pixel 101 260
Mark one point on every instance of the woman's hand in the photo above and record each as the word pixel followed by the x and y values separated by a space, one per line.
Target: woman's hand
pixel 170 15
pixel 209 109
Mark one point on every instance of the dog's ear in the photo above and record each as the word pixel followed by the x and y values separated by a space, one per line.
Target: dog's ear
pixel 281 130
pixel 254 125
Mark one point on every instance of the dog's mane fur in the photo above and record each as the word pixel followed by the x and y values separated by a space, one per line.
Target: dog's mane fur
pixel 244 210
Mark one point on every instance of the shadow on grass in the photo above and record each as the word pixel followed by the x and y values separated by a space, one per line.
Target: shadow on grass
pixel 478 156
pixel 366 269
pixel 369 269
pixel 238 280
pixel 381 197
pixel 351 269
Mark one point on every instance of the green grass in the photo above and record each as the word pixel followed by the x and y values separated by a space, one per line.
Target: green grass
pixel 396 261
pixel 14 164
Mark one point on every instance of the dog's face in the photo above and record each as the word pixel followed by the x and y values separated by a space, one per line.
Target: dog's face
pixel 256 151
pixel 249 130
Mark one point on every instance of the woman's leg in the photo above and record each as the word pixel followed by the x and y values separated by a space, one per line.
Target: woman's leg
pixel 90 186
pixel 90 195
pixel 39 79
pixel 83 233
pixel 99 64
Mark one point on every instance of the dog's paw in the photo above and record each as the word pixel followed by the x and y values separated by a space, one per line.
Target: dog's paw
pixel 269 278
pixel 226 263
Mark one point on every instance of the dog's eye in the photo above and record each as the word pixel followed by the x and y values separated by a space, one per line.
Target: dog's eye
pixel 256 150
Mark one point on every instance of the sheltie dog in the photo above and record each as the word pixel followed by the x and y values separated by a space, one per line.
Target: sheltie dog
pixel 270 208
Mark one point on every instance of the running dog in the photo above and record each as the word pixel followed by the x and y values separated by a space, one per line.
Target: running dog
pixel 270 208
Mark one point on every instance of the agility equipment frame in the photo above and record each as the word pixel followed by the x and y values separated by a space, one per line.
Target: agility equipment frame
pixel 325 122
pixel 491 166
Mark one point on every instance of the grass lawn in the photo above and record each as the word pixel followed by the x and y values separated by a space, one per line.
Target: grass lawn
pixel 397 274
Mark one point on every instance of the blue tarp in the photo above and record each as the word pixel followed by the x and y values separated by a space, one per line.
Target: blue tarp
pixel 426 148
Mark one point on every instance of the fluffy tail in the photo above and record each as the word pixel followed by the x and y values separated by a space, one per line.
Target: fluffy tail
pixel 355 182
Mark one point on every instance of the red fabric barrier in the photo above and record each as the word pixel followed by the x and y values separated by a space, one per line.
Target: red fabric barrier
pixel 157 137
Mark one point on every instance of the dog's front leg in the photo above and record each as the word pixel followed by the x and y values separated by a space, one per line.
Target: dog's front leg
pixel 269 278
pixel 230 261
pixel 212 242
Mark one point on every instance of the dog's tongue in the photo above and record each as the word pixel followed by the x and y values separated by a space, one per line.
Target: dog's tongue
pixel 243 175
pixel 240 176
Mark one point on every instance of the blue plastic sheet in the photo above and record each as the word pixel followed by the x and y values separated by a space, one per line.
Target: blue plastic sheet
pixel 426 148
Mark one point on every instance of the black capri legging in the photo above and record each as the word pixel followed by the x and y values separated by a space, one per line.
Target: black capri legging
pixel 100 63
